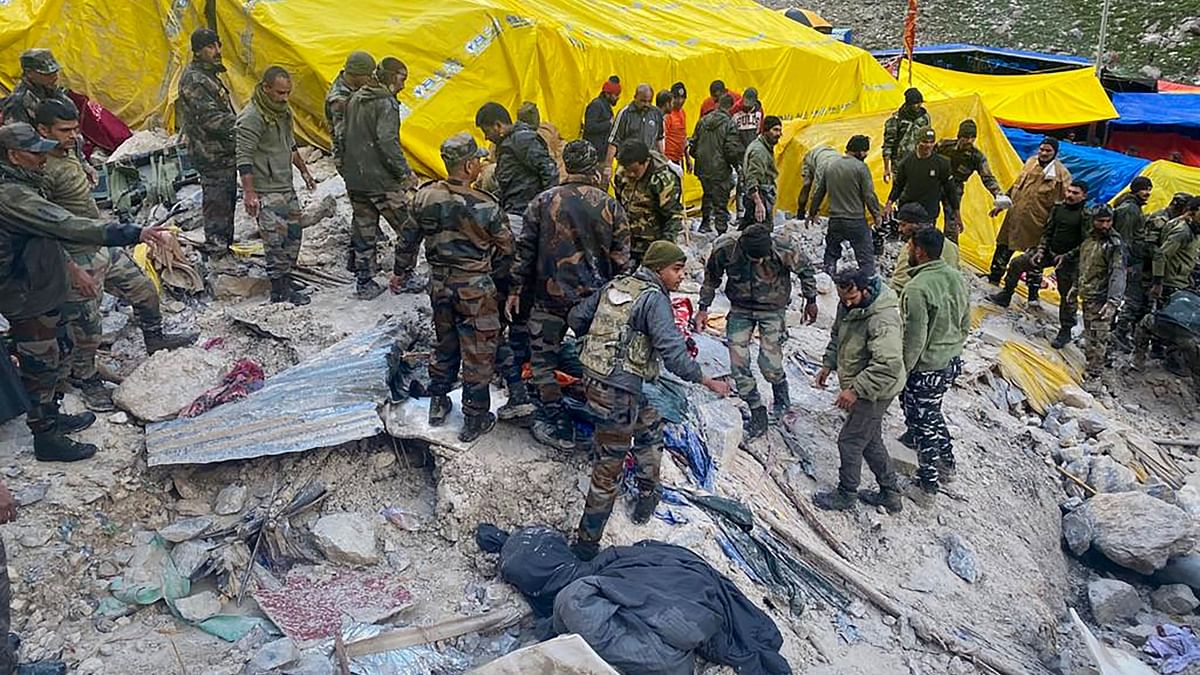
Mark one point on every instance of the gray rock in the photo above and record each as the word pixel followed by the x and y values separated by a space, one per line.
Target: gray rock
pixel 1188 499
pixel 197 608
pixel 1070 504
pixel 1092 423
pixel 31 494
pixel 192 507
pixel 1071 454
pixel 721 424
pixel 1137 635
pixel 1176 599
pixel 310 664
pixel 347 537
pixel 272 656
pixel 1074 396
pixel 230 500
pixel 1131 529
pixel 167 381
pixel 961 558
pixel 1068 433
pixel 1113 600
pixel 1106 475
pixel 190 556
pixel 187 528
pixel 119 417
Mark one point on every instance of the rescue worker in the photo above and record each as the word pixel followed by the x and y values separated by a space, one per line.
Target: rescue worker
pixel 900 130
pixel 39 81
pixel 629 336
pixel 598 116
pixel 1066 228
pixel 851 190
pixel 466 237
pixel 640 120
pixel 866 350
pixel 575 239
pixel 358 71
pixel 650 192
pixel 936 310
pixel 33 284
pixel 717 150
pixel 1132 223
pixel 924 177
pixel 1175 259
pixel 266 153
pixel 759 266
pixel 1101 289
pixel 759 174
pixel 911 218
pixel 379 181
pixel 524 167
pixel 207 119
pixel 1041 184
pixel 812 171
pixel 965 159
pixel 1176 325
pixel 90 267
pixel 529 114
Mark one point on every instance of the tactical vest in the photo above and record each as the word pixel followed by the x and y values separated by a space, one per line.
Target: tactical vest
pixel 611 341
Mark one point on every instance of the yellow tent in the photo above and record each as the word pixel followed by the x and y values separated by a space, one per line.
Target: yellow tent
pixel 979 239
pixel 1041 100
pixel 1169 178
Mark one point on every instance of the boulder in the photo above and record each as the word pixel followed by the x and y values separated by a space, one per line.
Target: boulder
pixel 721 424
pixel 1112 601
pixel 1074 396
pixel 1106 475
pixel 1131 529
pixel 1092 423
pixel 167 381
pixel 1137 635
pixel 187 528
pixel 197 608
pixel 348 538
pixel 230 500
pixel 1176 599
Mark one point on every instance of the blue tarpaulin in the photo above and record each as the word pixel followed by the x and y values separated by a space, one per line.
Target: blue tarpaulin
pixel 1107 173
pixel 1157 110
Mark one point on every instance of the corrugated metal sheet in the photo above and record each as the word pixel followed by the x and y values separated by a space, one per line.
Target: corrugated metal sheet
pixel 330 399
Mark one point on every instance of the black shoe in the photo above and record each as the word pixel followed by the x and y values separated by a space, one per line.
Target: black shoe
pixel 44 667
pixel 368 290
pixel 757 426
pixel 1062 339
pixel 1003 298
pixel 54 447
pixel 922 494
pixel 439 410
pixel 69 424
pixel 888 499
pixel 554 429
pixel 782 398
pixel 157 340
pixel 282 291
pixel 585 550
pixel 835 500
pixel 644 509
pixel 947 471
pixel 1032 297
pixel 908 439
pixel 518 404
pixel 476 426
pixel 96 396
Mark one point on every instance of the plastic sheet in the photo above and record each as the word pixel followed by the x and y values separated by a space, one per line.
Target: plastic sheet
pixel 1173 648
pixel 683 442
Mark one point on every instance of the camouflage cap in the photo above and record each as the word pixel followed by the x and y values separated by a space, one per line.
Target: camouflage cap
pixel 926 134
pixel 580 157
pixel 459 148
pixel 22 136
pixel 359 64
pixel 39 61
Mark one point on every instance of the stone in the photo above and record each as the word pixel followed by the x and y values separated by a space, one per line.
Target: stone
pixel 1137 635
pixel 197 608
pixel 1131 529
pixel 1107 476
pixel 961 558
pixel 229 286
pixel 1068 433
pixel 721 426
pixel 37 538
pixel 190 556
pixel 90 665
pixel 167 381
pixel 1188 499
pixel 1072 454
pixel 1092 423
pixel 187 528
pixel 192 507
pixel 311 664
pixel 348 538
pixel 1176 599
pixel 230 500
pixel 1113 600
pixel 904 458
pixel 119 417
pixel 1110 442
pixel 31 494
pixel 272 656
pixel 1074 396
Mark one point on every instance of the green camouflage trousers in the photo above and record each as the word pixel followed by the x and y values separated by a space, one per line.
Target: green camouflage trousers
pixel 1095 334
pixel 364 227
pixel 219 194
pixel 466 321
pixel 622 417
pixel 36 343
pixel 116 272
pixel 546 331
pixel 280 228
pixel 772 331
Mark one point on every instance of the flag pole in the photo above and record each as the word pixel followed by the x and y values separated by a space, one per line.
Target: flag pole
pixel 1103 37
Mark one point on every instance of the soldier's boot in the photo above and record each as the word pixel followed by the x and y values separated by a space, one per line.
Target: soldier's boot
pixel 96 396
pixel 643 510
pixel 157 340
pixel 69 424
pixel 908 439
pixel 585 550
pixel 52 446
pixel 283 291
pixel 1032 297
pixel 1002 298
pixel 1063 338
pixel 835 500
pixel 888 498
pixel 368 289
pixel 554 428
pixel 922 493
pixel 476 426
pixel 518 404
pixel 439 410
pixel 947 470
pixel 781 399
pixel 43 667
pixel 757 425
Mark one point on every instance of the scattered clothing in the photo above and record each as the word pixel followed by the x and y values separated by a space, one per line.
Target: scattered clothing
pixel 245 377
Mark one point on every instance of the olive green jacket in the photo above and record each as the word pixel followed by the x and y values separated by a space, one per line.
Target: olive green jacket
pixel 866 346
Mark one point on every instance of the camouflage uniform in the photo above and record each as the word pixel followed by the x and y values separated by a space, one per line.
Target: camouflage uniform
pixel 21 105
pixel 265 145
pixel 466 236
pixel 900 132
pixel 1141 234
pixel 963 163
pixel 1101 284
pixel 207 117
pixel 335 115
pixel 652 206
pixel 574 240
pixel 759 293
pixel 717 149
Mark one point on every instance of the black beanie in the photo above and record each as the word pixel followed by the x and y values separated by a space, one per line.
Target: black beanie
pixel 756 241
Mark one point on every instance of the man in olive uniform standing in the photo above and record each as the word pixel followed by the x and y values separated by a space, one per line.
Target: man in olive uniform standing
pixel 466 236
pixel 965 159
pixel 39 81
pixel 649 190
pixel 1174 260
pixel 718 150
pixel 759 267
pixel 900 130
pixel 1101 289
pixel 378 178
pixel 207 118
pixel 629 336
pixel 357 73
pixel 759 174
pixel 1130 221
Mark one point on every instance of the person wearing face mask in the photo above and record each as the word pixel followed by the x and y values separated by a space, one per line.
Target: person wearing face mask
pixel 649 190
pixel 379 181
pixel 759 267
pixel 641 120
pixel 759 174
pixel 1041 184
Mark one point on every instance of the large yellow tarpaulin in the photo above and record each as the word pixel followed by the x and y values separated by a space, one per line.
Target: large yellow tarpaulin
pixel 126 55
pixel 979 240
pixel 1040 100
pixel 1169 178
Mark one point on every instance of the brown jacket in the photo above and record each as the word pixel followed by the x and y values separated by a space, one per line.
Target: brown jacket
pixel 1033 195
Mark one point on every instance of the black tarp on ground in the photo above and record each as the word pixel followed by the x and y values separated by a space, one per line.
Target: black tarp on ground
pixel 647 608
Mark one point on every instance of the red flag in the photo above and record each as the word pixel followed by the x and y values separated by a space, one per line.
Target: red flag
pixel 910 34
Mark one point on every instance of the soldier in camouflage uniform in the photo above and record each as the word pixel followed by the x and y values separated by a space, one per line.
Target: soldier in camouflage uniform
pixel 39 81
pixel 207 118
pixel 650 193
pixel 466 237
pixel 266 153
pixel 33 283
pixel 1101 289
pixel 1173 263
pixel 1141 257
pixel 900 130
pixel 760 268
pixel 718 149
pixel 575 239
pixel 629 334
pixel 356 74
pixel 378 178
pixel 965 159
pixel 92 268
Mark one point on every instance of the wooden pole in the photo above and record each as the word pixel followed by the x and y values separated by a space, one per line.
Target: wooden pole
pixel 412 636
